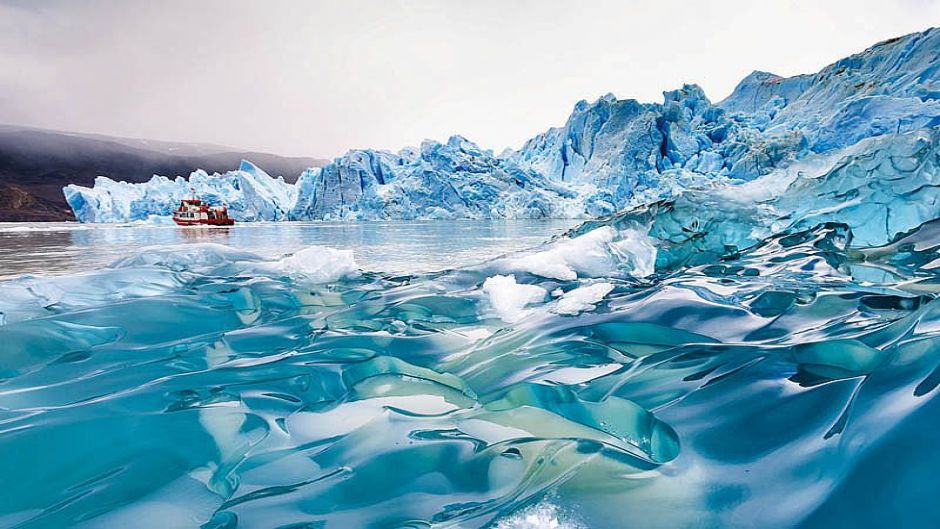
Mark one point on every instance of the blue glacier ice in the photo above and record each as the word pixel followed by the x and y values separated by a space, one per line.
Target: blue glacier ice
pixel 249 192
pixel 635 152
pixel 610 154
pixel 456 179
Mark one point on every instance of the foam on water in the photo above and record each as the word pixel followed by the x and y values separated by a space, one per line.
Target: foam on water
pixel 543 515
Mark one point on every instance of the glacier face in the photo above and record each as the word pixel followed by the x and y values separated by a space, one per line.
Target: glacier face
pixel 880 189
pixel 609 155
pixel 249 192
pixel 627 147
pixel 456 179
pixel 892 87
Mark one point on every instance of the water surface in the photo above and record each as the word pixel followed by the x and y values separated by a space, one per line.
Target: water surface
pixel 392 247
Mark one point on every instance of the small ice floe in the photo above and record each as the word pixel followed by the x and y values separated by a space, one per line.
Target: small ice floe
pixel 598 253
pixel 320 264
pixel 582 299
pixel 509 298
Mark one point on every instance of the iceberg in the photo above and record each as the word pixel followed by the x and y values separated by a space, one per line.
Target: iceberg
pixel 582 299
pixel 600 252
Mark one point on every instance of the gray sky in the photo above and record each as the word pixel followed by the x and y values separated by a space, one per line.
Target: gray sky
pixel 317 78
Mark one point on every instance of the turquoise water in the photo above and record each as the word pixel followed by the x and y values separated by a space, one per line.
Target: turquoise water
pixel 698 362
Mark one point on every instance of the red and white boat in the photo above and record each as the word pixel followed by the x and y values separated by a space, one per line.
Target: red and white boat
pixel 194 212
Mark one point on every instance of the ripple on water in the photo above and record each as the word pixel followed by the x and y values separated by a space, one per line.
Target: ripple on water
pixel 212 387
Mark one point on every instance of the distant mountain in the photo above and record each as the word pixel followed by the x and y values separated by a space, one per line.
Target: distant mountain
pixel 35 165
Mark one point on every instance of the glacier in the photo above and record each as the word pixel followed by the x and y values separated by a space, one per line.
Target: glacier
pixel 456 179
pixel 609 155
pixel 636 152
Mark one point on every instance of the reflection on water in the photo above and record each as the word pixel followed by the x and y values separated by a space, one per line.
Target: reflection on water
pixel 393 247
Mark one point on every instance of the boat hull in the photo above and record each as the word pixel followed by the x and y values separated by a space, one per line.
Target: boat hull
pixel 203 222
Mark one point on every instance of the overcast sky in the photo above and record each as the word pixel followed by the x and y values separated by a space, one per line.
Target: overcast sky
pixel 318 78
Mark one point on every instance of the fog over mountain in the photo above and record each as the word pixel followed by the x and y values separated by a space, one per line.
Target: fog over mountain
pixel 35 164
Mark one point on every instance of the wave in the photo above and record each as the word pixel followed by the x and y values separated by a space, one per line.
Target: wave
pixel 700 361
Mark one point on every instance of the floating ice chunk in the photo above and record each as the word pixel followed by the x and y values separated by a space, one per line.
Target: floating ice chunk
pixel 582 299
pixel 509 298
pixel 598 253
pixel 320 264
pixel 317 264
pixel 587 254
pixel 183 257
pixel 197 257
